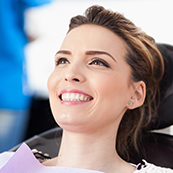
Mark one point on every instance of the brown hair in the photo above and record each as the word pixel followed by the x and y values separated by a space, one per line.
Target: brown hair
pixel 146 64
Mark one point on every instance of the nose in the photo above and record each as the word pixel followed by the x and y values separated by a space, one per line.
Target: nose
pixel 75 74
pixel 69 79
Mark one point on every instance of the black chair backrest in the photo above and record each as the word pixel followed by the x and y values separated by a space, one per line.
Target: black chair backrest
pixel 164 117
pixel 159 147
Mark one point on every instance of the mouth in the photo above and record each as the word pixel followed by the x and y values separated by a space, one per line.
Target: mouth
pixel 75 97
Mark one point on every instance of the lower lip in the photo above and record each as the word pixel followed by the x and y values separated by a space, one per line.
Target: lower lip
pixel 73 102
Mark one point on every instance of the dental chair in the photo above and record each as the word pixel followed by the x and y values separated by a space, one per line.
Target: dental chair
pixel 158 146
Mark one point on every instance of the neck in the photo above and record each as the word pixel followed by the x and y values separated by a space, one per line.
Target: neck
pixel 88 151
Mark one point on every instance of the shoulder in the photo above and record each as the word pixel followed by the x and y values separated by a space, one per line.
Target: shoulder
pixel 145 167
pixel 5 157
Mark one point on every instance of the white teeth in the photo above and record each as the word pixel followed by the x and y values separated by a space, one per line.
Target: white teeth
pixel 67 96
pixel 72 96
pixel 85 98
pixel 75 97
pixel 81 97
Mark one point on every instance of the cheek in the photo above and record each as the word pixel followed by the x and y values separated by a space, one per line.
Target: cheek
pixel 52 85
pixel 113 90
pixel 109 85
pixel 52 82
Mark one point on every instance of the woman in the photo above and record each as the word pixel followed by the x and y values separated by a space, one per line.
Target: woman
pixel 103 91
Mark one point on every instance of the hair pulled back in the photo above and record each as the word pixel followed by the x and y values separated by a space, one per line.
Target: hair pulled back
pixel 146 65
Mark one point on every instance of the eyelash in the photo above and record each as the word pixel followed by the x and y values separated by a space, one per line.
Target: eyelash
pixel 60 60
pixel 99 62
pixel 104 63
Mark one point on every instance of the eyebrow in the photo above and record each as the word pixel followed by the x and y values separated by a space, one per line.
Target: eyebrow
pixel 64 52
pixel 91 52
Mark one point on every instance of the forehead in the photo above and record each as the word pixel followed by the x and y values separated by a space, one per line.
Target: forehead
pixel 93 36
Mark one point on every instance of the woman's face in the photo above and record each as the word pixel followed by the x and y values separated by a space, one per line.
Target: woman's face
pixel 90 85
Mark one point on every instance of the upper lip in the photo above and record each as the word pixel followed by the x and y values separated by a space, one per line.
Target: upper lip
pixel 73 91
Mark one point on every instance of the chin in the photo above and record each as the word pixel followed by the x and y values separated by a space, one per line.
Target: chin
pixel 68 121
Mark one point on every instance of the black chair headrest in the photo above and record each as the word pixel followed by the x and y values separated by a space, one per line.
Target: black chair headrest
pixel 164 117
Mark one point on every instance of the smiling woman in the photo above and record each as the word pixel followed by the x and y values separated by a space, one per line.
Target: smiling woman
pixel 103 91
pixel 99 88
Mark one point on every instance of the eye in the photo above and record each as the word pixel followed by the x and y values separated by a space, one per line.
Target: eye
pixel 62 61
pixel 99 62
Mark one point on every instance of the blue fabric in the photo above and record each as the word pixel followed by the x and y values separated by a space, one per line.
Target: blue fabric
pixel 13 79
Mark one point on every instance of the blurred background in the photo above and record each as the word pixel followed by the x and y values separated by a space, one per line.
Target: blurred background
pixel 45 27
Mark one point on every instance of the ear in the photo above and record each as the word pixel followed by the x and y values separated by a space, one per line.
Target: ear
pixel 138 96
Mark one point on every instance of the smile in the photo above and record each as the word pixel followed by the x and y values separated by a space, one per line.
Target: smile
pixel 74 96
